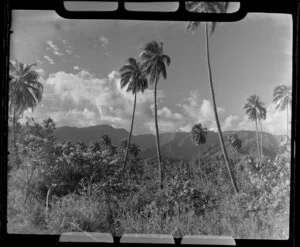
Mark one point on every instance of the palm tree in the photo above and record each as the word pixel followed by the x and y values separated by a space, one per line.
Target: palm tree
pixel 133 78
pixel 234 141
pixel 106 141
pixel 282 97
pixel 198 134
pixel 262 116
pixel 212 7
pixel 154 65
pixel 25 90
pixel 134 150
pixel 254 108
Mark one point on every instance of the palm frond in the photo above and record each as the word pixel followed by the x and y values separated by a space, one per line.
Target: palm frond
pixel 166 59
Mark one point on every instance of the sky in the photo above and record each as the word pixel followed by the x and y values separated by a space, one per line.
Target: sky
pixel 79 60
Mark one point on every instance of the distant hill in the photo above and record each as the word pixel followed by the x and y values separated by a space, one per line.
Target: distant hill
pixel 176 145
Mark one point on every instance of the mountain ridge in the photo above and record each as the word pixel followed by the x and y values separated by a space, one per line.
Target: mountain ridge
pixel 173 144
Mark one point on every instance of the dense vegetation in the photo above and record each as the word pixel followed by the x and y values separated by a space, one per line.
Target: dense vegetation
pixel 64 186
pixel 57 186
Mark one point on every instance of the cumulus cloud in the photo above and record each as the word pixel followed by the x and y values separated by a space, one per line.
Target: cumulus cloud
pixel 74 117
pixel 198 110
pixel 275 123
pixel 40 71
pixel 166 113
pixel 167 120
pixel 82 99
pixel 104 96
pixel 230 122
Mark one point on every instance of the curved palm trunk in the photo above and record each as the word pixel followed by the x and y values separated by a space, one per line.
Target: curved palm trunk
pixel 157 134
pixel 257 142
pixel 216 116
pixel 129 137
pixel 261 140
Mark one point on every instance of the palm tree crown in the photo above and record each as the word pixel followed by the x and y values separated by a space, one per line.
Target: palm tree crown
pixel 25 91
pixel 198 134
pixel 154 61
pixel 255 108
pixel 235 141
pixel 205 7
pixel 282 97
pixel 134 150
pixel 132 77
pixel 105 140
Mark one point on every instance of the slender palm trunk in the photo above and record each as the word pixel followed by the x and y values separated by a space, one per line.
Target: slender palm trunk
pixel 200 170
pixel 14 130
pixel 129 137
pixel 216 116
pixel 257 142
pixel 261 140
pixel 287 120
pixel 157 134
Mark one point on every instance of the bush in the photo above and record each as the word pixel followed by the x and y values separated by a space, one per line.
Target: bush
pixel 77 213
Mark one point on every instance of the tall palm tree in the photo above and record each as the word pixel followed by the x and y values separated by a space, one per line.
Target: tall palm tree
pixel 262 116
pixel 154 64
pixel 212 7
pixel 282 97
pixel 198 134
pixel 254 108
pixel 134 79
pixel 25 90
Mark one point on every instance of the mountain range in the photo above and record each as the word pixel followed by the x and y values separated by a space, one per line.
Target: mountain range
pixel 177 145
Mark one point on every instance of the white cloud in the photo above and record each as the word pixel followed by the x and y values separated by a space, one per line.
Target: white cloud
pixel 166 113
pixel 76 68
pixel 50 60
pixel 163 126
pixel 74 117
pixel 40 71
pixel 197 110
pixel 112 104
pixel 275 122
pixel 53 48
pixel 230 122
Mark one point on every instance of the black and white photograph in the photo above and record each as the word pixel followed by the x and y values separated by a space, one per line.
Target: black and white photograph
pixel 150 127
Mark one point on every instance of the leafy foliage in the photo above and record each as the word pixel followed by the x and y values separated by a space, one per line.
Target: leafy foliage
pixel 88 191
